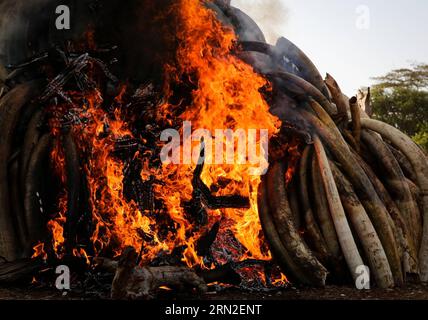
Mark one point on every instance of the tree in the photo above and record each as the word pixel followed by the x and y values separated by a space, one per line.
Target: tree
pixel 400 98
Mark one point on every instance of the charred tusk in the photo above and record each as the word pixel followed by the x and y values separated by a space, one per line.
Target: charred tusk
pixel 278 249
pixel 291 239
pixel 301 89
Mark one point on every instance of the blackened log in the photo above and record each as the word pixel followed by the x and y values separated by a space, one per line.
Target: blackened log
pixel 205 242
pixel 202 196
pixel 57 84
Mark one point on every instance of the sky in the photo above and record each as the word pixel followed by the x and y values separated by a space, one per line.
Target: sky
pixel 353 40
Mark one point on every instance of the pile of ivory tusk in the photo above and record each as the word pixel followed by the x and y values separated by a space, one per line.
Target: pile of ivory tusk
pixel 359 195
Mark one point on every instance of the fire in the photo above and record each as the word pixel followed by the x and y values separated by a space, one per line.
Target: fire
pixel 226 94
pixel 39 251
pixel 117 221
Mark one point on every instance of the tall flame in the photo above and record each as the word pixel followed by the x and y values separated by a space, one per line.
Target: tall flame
pixel 227 94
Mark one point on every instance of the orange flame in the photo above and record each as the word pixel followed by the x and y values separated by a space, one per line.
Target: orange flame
pixel 227 94
pixel 39 251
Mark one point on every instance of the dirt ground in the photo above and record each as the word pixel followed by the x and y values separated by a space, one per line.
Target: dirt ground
pixel 410 292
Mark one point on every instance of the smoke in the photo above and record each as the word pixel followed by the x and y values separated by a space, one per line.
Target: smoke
pixel 14 17
pixel 270 15
pixel 12 10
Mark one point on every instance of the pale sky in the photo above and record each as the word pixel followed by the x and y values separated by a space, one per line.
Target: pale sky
pixel 393 34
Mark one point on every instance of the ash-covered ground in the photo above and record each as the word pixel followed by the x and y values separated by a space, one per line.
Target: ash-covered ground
pixel 409 292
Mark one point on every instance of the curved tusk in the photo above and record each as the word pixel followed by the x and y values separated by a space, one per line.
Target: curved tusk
pixel 420 165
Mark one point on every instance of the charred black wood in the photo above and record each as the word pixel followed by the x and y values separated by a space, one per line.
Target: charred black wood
pixel 205 242
pixel 202 198
pixel 223 274
pixel 60 80
pixel 174 258
pixel 32 61
pixel 142 192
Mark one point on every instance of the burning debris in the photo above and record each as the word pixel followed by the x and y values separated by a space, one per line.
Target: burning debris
pixel 82 179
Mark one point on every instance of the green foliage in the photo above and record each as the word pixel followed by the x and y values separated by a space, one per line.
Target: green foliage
pixel 400 98
pixel 421 138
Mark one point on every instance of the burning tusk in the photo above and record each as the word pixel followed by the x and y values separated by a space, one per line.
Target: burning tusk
pixel 73 185
pixel 16 203
pixel 291 239
pixel 278 249
pixel 31 138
